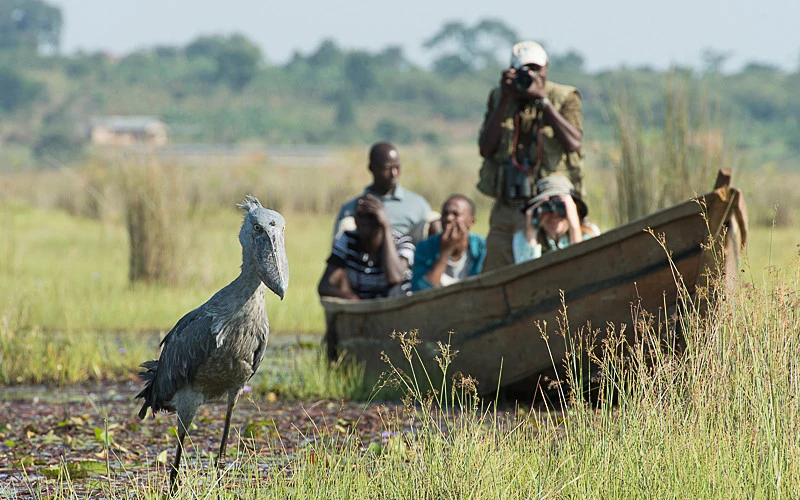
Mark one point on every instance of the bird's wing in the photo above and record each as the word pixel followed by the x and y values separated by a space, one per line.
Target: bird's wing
pixel 185 348
pixel 261 347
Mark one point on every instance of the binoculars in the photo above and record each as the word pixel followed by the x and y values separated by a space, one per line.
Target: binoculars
pixel 516 185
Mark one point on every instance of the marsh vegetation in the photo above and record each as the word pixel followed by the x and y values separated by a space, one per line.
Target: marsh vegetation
pixel 704 422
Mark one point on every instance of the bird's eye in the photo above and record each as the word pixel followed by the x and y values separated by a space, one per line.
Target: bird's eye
pixel 257 228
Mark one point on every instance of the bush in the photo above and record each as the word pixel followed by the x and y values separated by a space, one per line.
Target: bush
pixel 17 91
pixel 393 131
pixel 156 213
pixel 58 144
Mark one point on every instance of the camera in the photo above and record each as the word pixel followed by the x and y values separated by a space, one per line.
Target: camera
pixel 553 206
pixel 524 79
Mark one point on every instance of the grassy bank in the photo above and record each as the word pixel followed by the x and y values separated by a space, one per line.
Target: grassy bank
pixel 719 420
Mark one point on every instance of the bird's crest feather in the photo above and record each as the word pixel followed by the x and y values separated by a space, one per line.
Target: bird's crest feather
pixel 250 203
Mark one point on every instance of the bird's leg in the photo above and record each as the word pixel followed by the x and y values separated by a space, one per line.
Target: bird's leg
pixel 185 417
pixel 173 473
pixel 233 396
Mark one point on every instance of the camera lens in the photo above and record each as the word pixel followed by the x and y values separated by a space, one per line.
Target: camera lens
pixel 524 79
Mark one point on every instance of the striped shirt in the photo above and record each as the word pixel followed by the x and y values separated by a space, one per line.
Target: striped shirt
pixel 365 271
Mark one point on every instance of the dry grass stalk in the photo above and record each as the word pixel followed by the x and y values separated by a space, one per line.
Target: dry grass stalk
pixel 156 211
pixel 656 171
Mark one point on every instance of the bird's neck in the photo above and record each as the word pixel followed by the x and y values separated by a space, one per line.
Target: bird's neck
pixel 245 288
pixel 247 283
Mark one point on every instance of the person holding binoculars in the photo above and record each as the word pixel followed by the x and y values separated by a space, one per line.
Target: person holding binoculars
pixel 555 218
pixel 532 129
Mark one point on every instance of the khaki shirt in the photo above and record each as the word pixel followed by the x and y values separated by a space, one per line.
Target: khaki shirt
pixel 555 159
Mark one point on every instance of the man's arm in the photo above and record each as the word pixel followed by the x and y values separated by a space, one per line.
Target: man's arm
pixel 453 238
pixel 334 284
pixel 394 266
pixel 567 124
pixel 491 130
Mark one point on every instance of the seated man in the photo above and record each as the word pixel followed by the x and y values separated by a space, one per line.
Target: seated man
pixel 454 254
pixel 372 261
pixel 554 219
pixel 407 211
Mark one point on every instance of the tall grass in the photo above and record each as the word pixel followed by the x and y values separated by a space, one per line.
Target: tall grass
pixel 718 418
pixel 658 165
pixel 156 210
pixel 31 356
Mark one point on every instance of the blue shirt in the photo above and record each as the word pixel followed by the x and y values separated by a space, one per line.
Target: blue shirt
pixel 428 253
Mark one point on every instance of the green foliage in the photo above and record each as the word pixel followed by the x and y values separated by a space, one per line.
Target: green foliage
pixel 59 144
pixel 29 25
pixel 83 65
pixel 571 61
pixel 345 110
pixel 359 71
pixel 392 131
pixel 475 47
pixel 450 65
pixel 236 60
pixel 218 89
pixel 306 373
pixel 16 91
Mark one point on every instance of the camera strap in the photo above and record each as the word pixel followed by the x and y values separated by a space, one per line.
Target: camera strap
pixel 515 144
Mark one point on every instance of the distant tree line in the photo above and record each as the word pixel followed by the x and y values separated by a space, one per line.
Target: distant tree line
pixel 221 88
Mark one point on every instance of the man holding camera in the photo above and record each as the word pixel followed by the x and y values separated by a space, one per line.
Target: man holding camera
pixel 533 128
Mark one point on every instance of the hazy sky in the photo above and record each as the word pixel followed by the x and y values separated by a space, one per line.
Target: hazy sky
pixel 608 33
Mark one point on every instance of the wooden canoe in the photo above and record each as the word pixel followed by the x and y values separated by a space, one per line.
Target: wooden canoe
pixel 494 315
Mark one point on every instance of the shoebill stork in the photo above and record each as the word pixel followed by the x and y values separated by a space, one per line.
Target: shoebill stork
pixel 214 350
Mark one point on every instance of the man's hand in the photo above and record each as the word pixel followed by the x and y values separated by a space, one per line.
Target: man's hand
pixel 334 284
pixel 452 240
pixel 510 89
pixel 373 206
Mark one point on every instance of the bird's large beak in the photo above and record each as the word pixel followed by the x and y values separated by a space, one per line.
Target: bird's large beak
pixel 273 264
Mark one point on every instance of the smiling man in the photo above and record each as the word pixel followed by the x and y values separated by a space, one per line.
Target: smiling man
pixel 453 255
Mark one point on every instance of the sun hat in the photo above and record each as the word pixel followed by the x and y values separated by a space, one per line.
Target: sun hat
pixel 555 185
pixel 528 52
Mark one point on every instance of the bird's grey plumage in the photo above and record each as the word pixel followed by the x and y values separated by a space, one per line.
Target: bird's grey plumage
pixel 213 350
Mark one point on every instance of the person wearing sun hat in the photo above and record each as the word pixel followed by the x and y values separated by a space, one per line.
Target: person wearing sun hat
pixel 532 129
pixel 555 218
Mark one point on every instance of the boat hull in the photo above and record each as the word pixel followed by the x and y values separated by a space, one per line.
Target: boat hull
pixel 499 321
